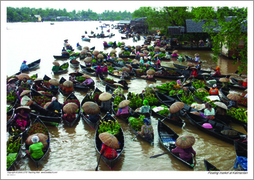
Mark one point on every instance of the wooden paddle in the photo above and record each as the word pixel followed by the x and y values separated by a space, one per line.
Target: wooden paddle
pixel 96 169
pixel 155 156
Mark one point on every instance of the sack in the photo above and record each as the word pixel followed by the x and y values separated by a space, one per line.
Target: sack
pixel 229 132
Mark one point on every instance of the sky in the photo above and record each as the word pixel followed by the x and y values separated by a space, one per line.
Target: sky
pixel 101 6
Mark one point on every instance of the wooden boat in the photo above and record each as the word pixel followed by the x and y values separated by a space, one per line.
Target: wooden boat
pixel 93 125
pixel 145 78
pixel 118 76
pixel 61 57
pixel 190 59
pixel 168 76
pixel 38 161
pixel 53 91
pixel 230 85
pixel 61 71
pixel 74 65
pixel 33 65
pixel 86 39
pixel 76 86
pixel 235 81
pixel 167 138
pixel 72 97
pixel 10 115
pixel 178 66
pixel 19 152
pixel 217 129
pixel 37 93
pixel 120 138
pixel 241 151
pixel 209 166
pixel 102 78
pixel 223 95
pixel 88 71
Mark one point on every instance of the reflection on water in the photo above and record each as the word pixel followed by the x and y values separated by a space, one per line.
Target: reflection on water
pixel 73 149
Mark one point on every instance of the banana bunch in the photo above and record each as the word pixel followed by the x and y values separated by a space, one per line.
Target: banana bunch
pixel 240 114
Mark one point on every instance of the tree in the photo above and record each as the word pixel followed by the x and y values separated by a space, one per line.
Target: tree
pixel 227 27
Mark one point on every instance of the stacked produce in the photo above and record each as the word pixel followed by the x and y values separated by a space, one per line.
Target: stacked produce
pixel 136 100
pixel 80 79
pixel 13 147
pixel 109 127
pixel 41 100
pixel 243 100
pixel 109 80
pixel 198 84
pixel 187 99
pixel 240 114
pixel 150 97
pixel 117 100
pixel 164 111
pixel 37 128
pixel 11 96
pixel 137 123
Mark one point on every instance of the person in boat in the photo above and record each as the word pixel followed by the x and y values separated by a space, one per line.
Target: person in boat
pixel 214 90
pixel 21 118
pixel 25 84
pixel 69 117
pixel 176 116
pixel 184 153
pixel 38 85
pixel 209 112
pixel 106 44
pixel 94 117
pixel 232 103
pixel 55 106
pixel 11 86
pixel 65 42
pixel 19 91
pixel 65 53
pixel 199 65
pixel 178 84
pixel 194 72
pixel 124 112
pixel 69 47
pixel 108 152
pixel 145 109
pixel 35 150
pixel 196 57
pixel 72 77
pixel 167 55
pixel 158 63
pixel 125 74
pixel 24 66
pixel 98 71
pixel 118 91
pixel 141 61
pixel 137 56
pixel 146 130
pixel 105 69
pixel 217 72
pixel 26 98
pixel 68 90
pixel 174 54
pixel 53 87
pixel 88 82
pixel 55 68
pixel 106 105
pixel 220 113
pixel 120 62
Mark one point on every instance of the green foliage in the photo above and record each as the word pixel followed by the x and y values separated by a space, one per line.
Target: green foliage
pixel 136 100
pixel 8 107
pixel 198 84
pixel 109 127
pixel 126 53
pixel 110 69
pixel 11 96
pixel 240 114
pixel 137 123
pixel 201 94
pixel 187 99
pixel 164 112
pixel 174 92
pixel 167 86
pixel 80 79
pixel 65 66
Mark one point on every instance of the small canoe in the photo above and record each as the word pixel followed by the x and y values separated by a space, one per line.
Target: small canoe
pixel 219 131
pixel 10 115
pixel 209 166
pixel 61 57
pixel 88 71
pixel 102 78
pixel 33 65
pixel 167 138
pixel 83 115
pixel 46 151
pixel 53 91
pixel 72 98
pixel 138 76
pixel 86 39
pixel 120 137
pixel 74 65
pixel 61 71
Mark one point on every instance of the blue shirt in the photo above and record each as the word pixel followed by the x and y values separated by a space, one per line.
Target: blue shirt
pixel 24 67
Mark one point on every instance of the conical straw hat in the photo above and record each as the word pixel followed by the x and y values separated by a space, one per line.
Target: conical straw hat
pixel 88 59
pixel 26 108
pixel 109 140
pixel 96 52
pixel 100 56
pixel 150 72
pixel 56 63
pixel 175 107
pixel 185 141
pixel 124 103
pixel 91 108
pixel 105 96
pixel 38 79
pixel 68 83
pixel 70 108
pixel 54 82
pixel 46 105
pixel 22 76
pixel 25 92
pixel 221 105
pixel 233 96
pixel 86 76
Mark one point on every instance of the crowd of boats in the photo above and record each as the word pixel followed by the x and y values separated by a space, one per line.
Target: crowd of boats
pixel 125 67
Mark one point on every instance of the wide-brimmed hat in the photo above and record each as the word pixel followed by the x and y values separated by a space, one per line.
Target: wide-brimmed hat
pixel 12 79
pixel 38 79
pixel 150 72
pixel 68 83
pixel 233 96
pixel 70 108
pixel 162 50
pixel 88 59
pixel 25 92
pixel 125 69
pixel 224 80
pixel 91 108
pixel 112 51
pixel 109 140
pixel 22 76
pixel 56 63
pixel 86 76
pixel 105 96
pixel 86 47
pixel 100 56
pixel 83 52
pixel 118 84
pixel 54 82
pixel 221 105
pixel 175 51
pixel 124 103
pixel 96 52
pixel 175 107
pixel 25 108
pixel 35 139
pixel 197 55
pixel 46 105
pixel 185 141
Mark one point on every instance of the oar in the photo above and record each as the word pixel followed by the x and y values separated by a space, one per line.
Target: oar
pixel 155 156
pixel 135 137
pixel 96 169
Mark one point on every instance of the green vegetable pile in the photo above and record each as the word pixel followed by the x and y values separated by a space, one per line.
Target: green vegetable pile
pixel 126 53
pixel 150 98
pixel 137 123
pixel 33 77
pixel 11 96
pixel 240 114
pixel 80 79
pixel 201 94
pixel 109 80
pixel 167 86
pixel 117 101
pixel 161 55
pixel 188 99
pixel 12 150
pixel 198 84
pixel 65 66
pixel 109 127
pixel 110 69
pixel 164 112
pixel 174 92
pixel 136 100
pixel 37 128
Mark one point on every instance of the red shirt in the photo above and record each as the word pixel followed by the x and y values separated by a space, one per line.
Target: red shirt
pixel 217 73
pixel 194 73
pixel 245 84
pixel 108 152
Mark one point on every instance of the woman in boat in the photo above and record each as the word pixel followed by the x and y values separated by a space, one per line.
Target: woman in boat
pixel 64 52
pixel 68 90
pixel 199 65
pixel 209 112
pixel 35 150
pixel 25 84
pixel 174 53
pixel 178 85
pixel 158 63
pixel 184 153
pixel 145 109
pixel 72 77
pixel 89 82
pixel 194 72
pixel 24 67
pixel 94 117
pixel 11 86
pixel 21 118
pixel 55 68
pixel 196 57
pixel 98 71
pixel 55 106
pixel 217 72
pixel 221 113
pixel 141 61
pixel 38 85
pixel 105 69
pixel 108 152
pixel 214 90
pixel 19 91
pixel 147 130
pixel 26 98
pixel 69 117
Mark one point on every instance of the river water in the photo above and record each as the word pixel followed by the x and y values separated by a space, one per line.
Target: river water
pixel 73 149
